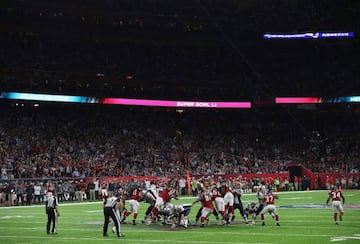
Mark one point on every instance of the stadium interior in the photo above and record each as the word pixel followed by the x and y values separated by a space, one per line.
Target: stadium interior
pixel 209 50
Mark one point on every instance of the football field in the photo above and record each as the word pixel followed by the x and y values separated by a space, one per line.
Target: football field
pixel 303 218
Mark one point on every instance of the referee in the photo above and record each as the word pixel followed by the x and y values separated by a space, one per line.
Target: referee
pixel 51 207
pixel 110 206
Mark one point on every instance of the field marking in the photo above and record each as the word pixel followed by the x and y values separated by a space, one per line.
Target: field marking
pixel 16 216
pixel 126 230
pixel 221 232
pixel 117 239
pixel 345 238
pixel 296 198
pixel 60 204
pixel 289 219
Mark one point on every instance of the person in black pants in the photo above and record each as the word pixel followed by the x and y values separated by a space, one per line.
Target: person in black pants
pixel 110 206
pixel 237 191
pixel 52 211
pixel 29 192
pixel 20 193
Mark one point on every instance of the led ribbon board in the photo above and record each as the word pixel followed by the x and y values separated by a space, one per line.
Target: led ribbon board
pixel 47 97
pixel 297 100
pixel 309 35
pixel 121 101
pixel 166 103
pixel 175 104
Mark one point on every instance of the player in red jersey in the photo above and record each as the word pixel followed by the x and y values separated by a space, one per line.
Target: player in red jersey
pixel 104 192
pixel 136 195
pixel 206 198
pixel 269 207
pixel 219 202
pixel 336 196
pixel 166 195
pixel 229 200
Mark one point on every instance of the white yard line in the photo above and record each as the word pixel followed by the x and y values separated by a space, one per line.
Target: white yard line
pixel 157 230
pixel 107 239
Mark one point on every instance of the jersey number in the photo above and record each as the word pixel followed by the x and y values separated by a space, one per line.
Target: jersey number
pixel 335 194
pixel 269 198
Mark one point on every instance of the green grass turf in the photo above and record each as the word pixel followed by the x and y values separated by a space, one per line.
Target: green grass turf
pixel 82 223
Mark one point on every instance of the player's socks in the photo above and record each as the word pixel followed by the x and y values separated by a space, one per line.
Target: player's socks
pixel 262 217
pixel 246 219
pixel 202 221
pixel 197 220
pixel 217 220
pixel 232 210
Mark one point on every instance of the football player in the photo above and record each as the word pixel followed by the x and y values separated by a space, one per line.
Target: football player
pixel 250 209
pixel 229 199
pixel 219 203
pixel 149 196
pixel 166 195
pixel 238 191
pixel 336 196
pixel 135 197
pixel 269 207
pixel 260 193
pixel 179 215
pixel 205 198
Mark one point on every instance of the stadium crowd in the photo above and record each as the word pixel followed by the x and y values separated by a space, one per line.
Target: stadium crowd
pixel 41 143
pixel 85 142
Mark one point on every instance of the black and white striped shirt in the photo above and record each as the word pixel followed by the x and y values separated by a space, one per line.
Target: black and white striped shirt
pixel 111 202
pixel 51 202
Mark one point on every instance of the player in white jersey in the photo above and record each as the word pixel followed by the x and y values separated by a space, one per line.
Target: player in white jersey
pixel 179 215
pixel 250 209
pixel 238 191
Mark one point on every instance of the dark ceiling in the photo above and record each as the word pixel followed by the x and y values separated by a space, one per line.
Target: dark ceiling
pixel 171 47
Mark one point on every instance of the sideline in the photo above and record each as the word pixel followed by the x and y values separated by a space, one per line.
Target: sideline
pixel 181 197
